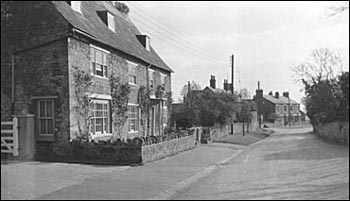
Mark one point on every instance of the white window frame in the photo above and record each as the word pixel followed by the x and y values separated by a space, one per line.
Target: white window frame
pixel 132 72
pixel 105 115
pixel 110 21
pixel 162 79
pixel 46 117
pixel 151 75
pixel 76 6
pixel 137 122
pixel 148 45
pixel 165 115
pixel 104 63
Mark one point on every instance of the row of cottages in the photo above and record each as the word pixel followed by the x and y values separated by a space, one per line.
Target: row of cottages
pixel 278 110
pixel 49 40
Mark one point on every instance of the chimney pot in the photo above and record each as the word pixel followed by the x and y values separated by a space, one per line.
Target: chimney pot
pixel 277 95
pixel 212 81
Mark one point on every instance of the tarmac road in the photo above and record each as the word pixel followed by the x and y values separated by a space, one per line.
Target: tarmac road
pixel 290 164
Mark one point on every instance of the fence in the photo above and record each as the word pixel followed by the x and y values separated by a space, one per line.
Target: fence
pixel 9 137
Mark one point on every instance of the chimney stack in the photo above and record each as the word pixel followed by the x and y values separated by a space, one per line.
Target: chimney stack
pixel 225 85
pixel 212 81
pixel 277 95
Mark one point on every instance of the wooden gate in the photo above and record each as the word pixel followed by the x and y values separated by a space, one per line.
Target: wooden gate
pixel 9 137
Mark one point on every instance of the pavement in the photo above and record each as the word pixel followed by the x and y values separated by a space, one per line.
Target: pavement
pixel 160 179
pixel 290 164
pixel 247 139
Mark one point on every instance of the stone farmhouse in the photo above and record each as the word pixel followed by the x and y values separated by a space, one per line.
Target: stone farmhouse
pixel 49 40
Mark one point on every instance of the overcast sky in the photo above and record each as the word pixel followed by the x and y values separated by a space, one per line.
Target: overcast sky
pixel 196 40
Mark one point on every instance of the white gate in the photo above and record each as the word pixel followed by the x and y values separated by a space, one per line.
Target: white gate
pixel 9 137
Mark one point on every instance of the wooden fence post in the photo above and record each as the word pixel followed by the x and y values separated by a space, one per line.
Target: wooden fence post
pixel 15 136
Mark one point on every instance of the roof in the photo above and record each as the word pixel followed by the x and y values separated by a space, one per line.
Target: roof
pixel 124 38
pixel 216 90
pixel 279 100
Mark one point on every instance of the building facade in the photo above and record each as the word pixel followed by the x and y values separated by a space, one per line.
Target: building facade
pixel 50 40
pixel 276 109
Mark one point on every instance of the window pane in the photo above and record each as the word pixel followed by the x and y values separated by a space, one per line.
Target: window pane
pixel 49 108
pixel 42 126
pixel 99 70
pixel 99 57
pixel 49 126
pixel 42 108
pixel 94 68
pixel 105 71
pixel 92 54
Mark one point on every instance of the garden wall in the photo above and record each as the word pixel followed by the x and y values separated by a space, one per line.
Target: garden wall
pixel 336 132
pixel 106 153
pixel 167 148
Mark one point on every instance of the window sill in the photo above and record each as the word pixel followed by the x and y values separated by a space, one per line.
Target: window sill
pixel 132 84
pixel 101 77
pixel 98 135
pixel 133 132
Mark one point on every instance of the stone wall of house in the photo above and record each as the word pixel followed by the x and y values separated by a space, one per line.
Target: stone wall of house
pixel 33 26
pixel 336 132
pixel 168 148
pixel 79 56
pixel 42 73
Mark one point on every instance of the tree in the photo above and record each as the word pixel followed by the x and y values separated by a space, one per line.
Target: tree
pixel 122 7
pixel 120 96
pixel 326 97
pixel 337 9
pixel 82 90
pixel 244 94
pixel 193 86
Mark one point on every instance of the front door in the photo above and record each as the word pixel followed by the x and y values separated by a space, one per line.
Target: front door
pixel 153 121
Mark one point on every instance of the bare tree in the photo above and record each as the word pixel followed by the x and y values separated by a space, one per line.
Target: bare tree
pixel 320 66
pixel 337 9
pixel 193 86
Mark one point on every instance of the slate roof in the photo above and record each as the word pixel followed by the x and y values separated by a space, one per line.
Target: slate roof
pixel 124 38
pixel 279 100
pixel 216 90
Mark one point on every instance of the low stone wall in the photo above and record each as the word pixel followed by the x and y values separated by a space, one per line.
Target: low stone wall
pixel 336 132
pixel 168 148
pixel 223 130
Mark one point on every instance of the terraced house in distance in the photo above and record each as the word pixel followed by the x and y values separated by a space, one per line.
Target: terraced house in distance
pixel 51 40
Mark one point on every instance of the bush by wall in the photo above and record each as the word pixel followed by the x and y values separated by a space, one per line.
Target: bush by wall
pixel 335 132
pixel 100 153
pixel 133 151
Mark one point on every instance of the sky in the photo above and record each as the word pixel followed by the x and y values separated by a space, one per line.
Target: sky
pixel 197 39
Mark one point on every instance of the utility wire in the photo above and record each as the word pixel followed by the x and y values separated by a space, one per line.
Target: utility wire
pixel 172 29
pixel 208 58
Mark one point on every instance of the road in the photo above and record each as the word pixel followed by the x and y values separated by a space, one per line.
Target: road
pixel 291 164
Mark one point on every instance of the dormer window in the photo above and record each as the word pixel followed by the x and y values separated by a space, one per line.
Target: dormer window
pixel 75 5
pixel 107 18
pixel 145 41
pixel 110 21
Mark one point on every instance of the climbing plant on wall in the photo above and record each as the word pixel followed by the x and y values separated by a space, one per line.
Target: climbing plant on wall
pixel 120 95
pixel 82 89
pixel 144 103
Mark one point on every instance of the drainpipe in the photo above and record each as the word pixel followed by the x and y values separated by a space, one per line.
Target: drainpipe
pixel 13 84
pixel 147 107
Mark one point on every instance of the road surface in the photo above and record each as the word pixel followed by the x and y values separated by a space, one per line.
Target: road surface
pixel 291 164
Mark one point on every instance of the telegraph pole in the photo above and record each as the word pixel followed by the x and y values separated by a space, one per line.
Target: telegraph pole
pixel 259 105
pixel 232 79
pixel 233 71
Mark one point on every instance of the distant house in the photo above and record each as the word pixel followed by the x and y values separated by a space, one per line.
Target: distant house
pixel 51 38
pixel 184 113
pixel 277 109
